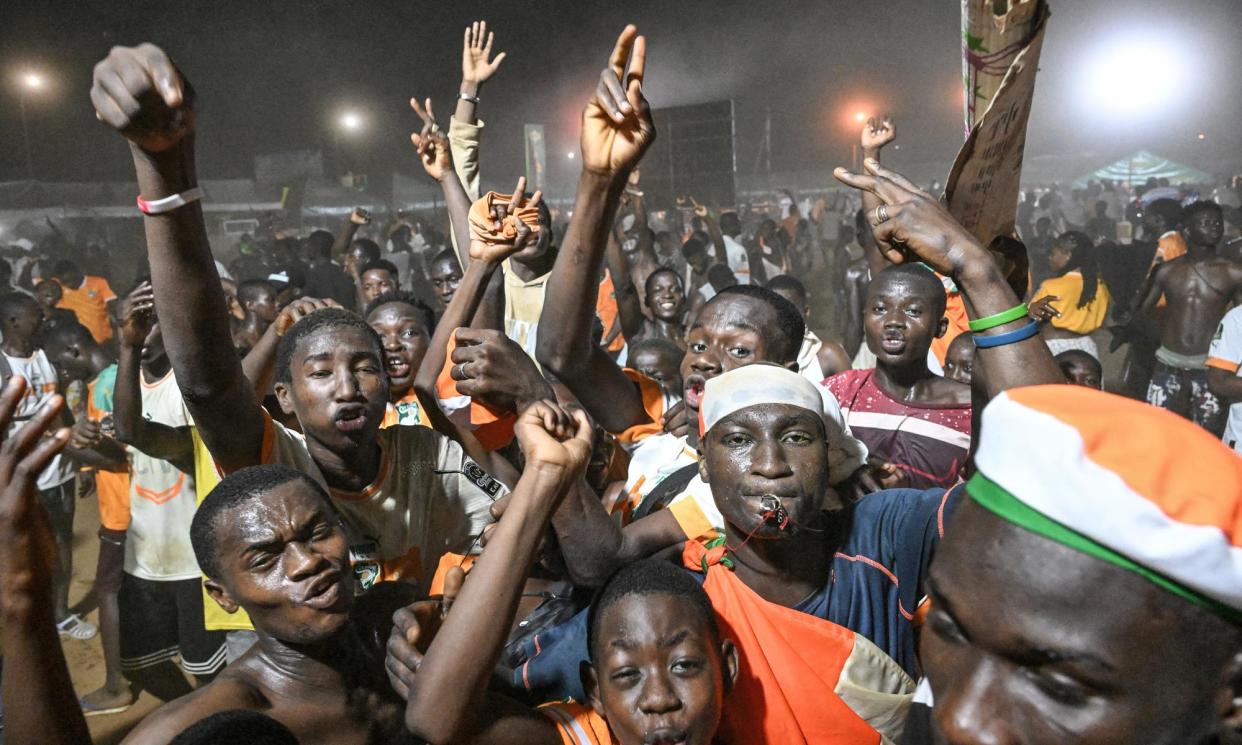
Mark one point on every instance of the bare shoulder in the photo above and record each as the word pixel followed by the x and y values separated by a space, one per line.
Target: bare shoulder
pixel 945 391
pixel 223 694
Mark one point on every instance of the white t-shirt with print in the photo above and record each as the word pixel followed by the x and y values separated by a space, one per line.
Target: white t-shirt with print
pixel 428 499
pixel 40 386
pixel 162 499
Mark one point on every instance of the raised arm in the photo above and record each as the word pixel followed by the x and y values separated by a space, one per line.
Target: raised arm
pixel 447 697
pixel 435 154
pixel 477 67
pixel 39 702
pixel 487 252
pixel 629 304
pixel 713 231
pixel 140 93
pixel 157 440
pixel 912 225
pixel 876 133
pixel 340 247
pixel 616 131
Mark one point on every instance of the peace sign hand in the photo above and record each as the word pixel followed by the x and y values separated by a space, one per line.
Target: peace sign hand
pixel 139 92
pixel 911 224
pixel 431 144
pixel 616 125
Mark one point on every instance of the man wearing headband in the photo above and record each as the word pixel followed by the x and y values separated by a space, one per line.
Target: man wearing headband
pixel 802 553
pixel 1090 590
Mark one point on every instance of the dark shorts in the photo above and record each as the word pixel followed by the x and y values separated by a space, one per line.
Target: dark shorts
pixel 111 563
pixel 1185 392
pixel 163 620
pixel 58 501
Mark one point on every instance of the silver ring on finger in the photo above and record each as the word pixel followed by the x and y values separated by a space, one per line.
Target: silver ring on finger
pixel 461 370
pixel 881 214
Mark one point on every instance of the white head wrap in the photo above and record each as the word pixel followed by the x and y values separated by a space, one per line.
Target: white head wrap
pixel 762 383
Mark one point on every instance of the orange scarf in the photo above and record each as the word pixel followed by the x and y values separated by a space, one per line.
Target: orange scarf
pixel 789 665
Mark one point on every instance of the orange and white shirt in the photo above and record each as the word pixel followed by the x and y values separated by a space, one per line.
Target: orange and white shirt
pixel 162 499
pixel 578 724
pixel 89 302
pixel 429 498
pixel 1226 354
pixel 405 411
pixel 40 386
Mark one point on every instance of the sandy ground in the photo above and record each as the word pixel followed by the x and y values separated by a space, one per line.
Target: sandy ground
pixel 85 658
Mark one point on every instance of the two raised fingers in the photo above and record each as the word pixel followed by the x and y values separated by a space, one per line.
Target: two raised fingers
pixel 619 98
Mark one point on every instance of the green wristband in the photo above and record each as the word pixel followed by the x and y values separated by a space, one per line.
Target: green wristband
pixel 1000 319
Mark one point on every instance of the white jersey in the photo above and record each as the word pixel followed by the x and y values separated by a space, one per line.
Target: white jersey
pixel 1226 354
pixel 40 386
pixel 162 499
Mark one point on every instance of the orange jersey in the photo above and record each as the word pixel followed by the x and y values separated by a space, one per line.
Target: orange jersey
pixel 90 304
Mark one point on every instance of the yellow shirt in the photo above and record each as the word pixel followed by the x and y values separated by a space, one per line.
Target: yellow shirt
pixel 90 304
pixel 206 477
pixel 1068 288
pixel 523 306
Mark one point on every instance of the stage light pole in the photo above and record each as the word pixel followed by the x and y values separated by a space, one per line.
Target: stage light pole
pixel 29 83
pixel 859 117
pixel 349 122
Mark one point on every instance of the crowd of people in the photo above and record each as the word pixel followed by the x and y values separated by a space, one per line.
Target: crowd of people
pixel 589 477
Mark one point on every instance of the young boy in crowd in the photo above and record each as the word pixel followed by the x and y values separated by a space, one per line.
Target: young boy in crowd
pixel 908 416
pixel 20 318
pixel 1081 368
pixel 377 278
pixel 404 326
pixel 257 298
pixel 89 297
pixel 818 359
pixel 959 361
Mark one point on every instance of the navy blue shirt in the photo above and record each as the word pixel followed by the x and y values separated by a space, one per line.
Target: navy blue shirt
pixel 874 589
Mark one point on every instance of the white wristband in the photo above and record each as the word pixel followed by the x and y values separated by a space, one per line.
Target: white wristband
pixel 170 203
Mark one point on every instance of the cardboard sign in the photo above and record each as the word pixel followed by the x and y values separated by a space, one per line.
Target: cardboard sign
pixel 982 188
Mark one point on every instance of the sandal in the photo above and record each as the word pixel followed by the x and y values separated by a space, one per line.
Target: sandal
pixel 76 627
pixel 94 708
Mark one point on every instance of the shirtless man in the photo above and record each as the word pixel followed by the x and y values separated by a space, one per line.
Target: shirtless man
pixel 1199 288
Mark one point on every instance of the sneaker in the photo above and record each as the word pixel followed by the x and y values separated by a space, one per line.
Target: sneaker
pixel 76 627
pixel 100 702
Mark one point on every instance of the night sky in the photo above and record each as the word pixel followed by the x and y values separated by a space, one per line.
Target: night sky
pixel 276 76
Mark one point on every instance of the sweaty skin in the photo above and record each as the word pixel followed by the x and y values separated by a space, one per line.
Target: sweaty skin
pixel 285 558
pixel 898 323
pixel 1199 286
pixel 1069 660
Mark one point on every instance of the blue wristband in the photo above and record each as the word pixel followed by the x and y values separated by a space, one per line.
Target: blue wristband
pixel 1009 337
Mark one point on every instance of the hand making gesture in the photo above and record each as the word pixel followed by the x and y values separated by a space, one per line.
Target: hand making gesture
pixel 504 233
pixel 139 92
pixel 137 315
pixel 910 224
pixel 876 134
pixel 476 47
pixel 616 125
pixel 27 545
pixel 431 144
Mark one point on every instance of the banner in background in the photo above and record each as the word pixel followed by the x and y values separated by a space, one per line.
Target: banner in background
pixel 982 189
pixel 536 157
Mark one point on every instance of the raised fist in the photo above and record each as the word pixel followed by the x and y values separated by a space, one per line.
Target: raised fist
pixel 139 92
